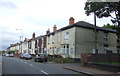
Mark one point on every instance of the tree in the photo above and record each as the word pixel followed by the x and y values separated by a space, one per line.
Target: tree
pixel 109 26
pixel 106 9
pixel 11 52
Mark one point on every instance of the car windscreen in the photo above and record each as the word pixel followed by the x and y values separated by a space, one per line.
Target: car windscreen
pixel 27 55
pixel 41 55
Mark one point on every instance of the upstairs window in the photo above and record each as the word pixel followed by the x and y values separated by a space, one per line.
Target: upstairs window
pixel 36 44
pixel 48 39
pixel 118 39
pixel 66 35
pixel 105 36
pixel 58 36
pixel 52 39
pixel 29 45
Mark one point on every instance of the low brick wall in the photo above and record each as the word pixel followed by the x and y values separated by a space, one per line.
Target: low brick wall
pixel 95 60
pixel 111 57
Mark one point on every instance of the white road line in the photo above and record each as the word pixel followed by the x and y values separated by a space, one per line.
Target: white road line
pixel 44 72
pixel 26 62
pixel 30 64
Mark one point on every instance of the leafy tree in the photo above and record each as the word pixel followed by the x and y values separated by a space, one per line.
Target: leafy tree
pixel 11 52
pixel 109 26
pixel 105 9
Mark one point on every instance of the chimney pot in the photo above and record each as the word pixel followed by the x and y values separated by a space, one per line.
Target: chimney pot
pixel 25 39
pixel 33 36
pixel 54 28
pixel 71 20
pixel 48 31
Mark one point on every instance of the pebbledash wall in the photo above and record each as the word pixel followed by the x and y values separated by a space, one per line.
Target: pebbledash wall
pixel 75 39
pixel 78 38
pixel 85 43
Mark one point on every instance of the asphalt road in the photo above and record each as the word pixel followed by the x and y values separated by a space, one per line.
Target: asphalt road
pixel 20 66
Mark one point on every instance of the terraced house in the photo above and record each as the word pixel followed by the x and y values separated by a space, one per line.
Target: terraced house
pixel 76 38
pixel 72 40
pixel 24 46
pixel 53 41
pixel 37 44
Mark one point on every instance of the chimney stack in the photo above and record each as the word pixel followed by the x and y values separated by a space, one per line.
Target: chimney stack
pixel 33 35
pixel 48 31
pixel 71 20
pixel 25 39
pixel 54 28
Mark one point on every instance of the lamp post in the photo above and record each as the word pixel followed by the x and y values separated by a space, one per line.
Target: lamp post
pixel 21 37
pixel 95 30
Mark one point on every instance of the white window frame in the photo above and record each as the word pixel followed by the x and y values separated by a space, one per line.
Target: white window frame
pixel 48 39
pixel 105 36
pixel 53 39
pixel 66 35
pixel 58 37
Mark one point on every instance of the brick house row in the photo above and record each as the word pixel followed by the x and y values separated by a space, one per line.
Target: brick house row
pixel 71 41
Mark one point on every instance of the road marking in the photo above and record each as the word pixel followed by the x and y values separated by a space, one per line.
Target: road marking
pixel 44 72
pixel 30 64
pixel 26 62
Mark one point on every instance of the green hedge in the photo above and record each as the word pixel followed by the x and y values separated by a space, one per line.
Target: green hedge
pixel 59 60
pixel 11 52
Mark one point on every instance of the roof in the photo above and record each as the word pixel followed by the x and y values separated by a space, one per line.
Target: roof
pixel 91 26
pixel 38 37
pixel 84 24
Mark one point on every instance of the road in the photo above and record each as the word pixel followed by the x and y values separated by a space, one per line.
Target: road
pixel 21 66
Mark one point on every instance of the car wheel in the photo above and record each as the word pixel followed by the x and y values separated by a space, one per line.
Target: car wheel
pixel 45 60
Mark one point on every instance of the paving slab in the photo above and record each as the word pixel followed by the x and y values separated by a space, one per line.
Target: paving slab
pixel 89 70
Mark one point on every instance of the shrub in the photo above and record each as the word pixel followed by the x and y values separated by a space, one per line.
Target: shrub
pixel 11 52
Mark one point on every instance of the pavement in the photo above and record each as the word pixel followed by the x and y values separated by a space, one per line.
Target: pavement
pixel 0 64
pixel 89 70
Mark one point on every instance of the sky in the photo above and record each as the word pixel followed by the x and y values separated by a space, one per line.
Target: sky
pixel 37 16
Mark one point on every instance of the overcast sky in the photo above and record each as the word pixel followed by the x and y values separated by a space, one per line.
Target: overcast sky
pixel 37 16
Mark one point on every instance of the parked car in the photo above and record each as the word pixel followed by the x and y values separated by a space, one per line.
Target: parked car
pixel 7 55
pixel 27 56
pixel 21 56
pixel 3 54
pixel 11 55
pixel 40 57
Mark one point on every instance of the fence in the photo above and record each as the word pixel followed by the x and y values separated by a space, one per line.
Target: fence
pixel 110 57
pixel 95 60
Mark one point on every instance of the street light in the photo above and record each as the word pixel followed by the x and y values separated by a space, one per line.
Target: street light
pixel 21 37
pixel 95 30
